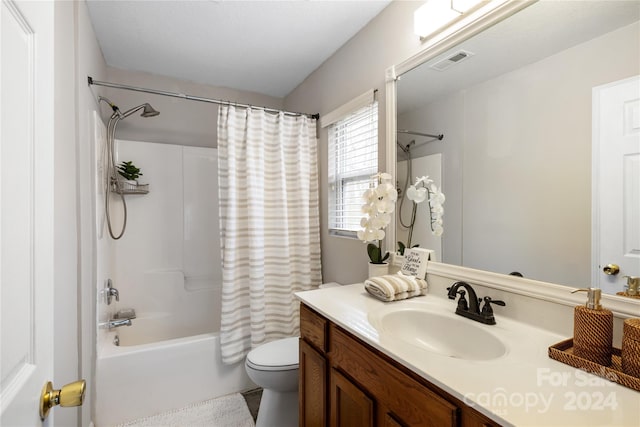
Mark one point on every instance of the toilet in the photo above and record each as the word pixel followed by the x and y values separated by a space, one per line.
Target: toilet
pixel 274 367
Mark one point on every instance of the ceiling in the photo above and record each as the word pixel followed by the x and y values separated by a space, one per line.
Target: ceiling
pixel 265 46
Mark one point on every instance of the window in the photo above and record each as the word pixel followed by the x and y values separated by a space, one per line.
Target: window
pixel 353 159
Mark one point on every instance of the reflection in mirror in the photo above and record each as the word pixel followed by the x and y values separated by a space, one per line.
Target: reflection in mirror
pixel 413 220
pixel 515 105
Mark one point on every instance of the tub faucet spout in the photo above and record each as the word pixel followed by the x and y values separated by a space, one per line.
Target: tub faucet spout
pixel 115 323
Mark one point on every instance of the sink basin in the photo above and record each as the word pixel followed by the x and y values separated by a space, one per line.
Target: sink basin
pixel 445 334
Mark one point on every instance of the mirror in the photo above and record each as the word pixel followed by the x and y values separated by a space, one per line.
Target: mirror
pixel 514 103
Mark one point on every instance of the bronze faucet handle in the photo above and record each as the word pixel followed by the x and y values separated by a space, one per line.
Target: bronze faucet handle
pixel 486 309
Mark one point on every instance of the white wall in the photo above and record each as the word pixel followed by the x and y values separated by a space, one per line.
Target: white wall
pixel 513 146
pixel 358 66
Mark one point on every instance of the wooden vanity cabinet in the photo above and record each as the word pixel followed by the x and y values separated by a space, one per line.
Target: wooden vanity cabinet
pixel 312 388
pixel 344 382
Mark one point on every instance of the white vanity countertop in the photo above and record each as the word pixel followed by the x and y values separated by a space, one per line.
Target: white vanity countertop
pixel 524 387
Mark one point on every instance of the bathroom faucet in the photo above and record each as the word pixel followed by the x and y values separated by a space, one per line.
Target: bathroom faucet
pixel 110 292
pixel 473 298
pixel 115 323
pixel 471 309
pixel 113 292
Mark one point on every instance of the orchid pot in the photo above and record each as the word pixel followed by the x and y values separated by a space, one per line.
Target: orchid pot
pixel 376 270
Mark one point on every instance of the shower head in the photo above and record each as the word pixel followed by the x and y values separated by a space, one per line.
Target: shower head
pixel 148 111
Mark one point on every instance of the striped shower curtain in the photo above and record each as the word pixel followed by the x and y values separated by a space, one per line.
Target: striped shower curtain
pixel 269 222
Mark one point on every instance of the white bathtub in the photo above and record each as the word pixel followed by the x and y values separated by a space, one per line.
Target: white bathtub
pixel 140 380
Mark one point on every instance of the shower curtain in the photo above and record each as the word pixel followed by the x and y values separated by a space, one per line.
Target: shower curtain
pixel 269 224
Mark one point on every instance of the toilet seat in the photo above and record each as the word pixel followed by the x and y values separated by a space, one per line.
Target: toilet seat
pixel 278 355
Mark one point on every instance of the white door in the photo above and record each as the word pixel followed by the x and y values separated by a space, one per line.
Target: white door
pixel 616 169
pixel 26 202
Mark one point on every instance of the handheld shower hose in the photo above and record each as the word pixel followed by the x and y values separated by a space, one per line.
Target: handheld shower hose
pixel 111 173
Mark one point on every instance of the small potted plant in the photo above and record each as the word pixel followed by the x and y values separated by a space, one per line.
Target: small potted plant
pixel 129 172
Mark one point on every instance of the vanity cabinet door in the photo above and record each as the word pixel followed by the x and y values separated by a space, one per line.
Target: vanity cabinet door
pixel 411 402
pixel 350 406
pixel 312 403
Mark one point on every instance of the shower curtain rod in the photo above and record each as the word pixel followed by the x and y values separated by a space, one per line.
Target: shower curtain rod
pixel 410 132
pixel 194 98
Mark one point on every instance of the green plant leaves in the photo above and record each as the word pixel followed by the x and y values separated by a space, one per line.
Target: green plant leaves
pixel 375 254
pixel 129 171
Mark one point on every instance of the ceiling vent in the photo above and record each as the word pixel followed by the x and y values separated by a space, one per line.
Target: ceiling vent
pixel 453 59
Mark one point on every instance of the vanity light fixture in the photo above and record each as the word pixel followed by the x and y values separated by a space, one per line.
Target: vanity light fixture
pixel 434 15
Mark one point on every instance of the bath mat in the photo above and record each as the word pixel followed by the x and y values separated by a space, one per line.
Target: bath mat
pixel 225 411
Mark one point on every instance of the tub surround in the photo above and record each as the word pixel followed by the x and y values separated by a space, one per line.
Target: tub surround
pixel 522 387
pixel 162 265
pixel 170 356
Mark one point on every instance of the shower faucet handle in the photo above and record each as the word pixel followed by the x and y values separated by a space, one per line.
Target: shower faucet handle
pixel 111 292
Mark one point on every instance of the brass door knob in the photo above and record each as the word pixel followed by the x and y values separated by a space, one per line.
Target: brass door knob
pixel 611 269
pixel 69 395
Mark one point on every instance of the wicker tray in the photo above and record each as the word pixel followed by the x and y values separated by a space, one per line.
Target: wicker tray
pixel 563 352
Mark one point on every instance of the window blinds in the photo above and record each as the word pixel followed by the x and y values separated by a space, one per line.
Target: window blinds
pixel 353 159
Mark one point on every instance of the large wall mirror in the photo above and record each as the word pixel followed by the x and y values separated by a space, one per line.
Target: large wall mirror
pixel 515 103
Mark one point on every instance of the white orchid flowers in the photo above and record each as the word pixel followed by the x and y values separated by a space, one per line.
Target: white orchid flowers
pixel 425 189
pixel 380 202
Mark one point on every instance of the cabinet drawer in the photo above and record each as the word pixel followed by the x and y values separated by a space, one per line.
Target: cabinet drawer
pixel 313 328
pixel 405 397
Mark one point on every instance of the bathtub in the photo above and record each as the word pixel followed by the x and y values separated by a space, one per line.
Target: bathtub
pixel 138 380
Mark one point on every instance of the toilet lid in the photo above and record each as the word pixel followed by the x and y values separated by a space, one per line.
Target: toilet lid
pixel 278 355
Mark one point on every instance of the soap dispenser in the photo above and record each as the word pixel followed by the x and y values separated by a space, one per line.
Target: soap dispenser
pixel 633 286
pixel 593 329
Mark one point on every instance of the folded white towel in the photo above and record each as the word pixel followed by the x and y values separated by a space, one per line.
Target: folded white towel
pixel 394 287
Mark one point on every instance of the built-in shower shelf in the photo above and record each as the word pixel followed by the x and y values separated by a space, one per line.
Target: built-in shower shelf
pixel 124 187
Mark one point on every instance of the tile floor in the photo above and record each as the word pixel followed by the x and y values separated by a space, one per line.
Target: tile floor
pixel 252 397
